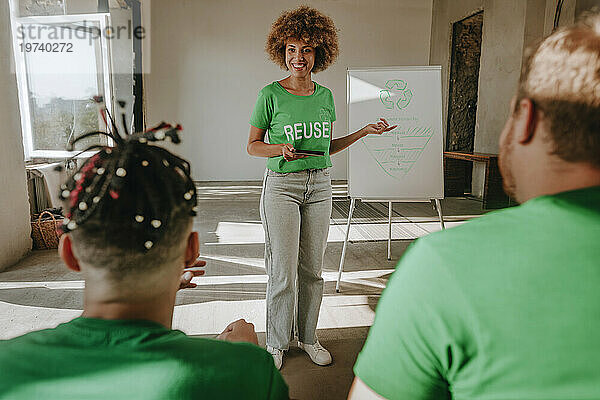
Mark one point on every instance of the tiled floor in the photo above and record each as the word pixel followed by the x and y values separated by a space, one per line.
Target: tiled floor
pixel 39 292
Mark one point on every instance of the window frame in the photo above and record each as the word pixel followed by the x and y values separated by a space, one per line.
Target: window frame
pixel 103 19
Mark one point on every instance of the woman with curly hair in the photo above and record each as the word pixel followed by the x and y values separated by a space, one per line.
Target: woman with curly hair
pixel 298 115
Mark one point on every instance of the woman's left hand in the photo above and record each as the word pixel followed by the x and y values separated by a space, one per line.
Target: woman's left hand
pixel 377 128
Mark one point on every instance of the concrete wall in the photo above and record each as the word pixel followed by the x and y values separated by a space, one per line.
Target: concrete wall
pixel 582 6
pixel 208 64
pixel 501 56
pixel 123 65
pixel 508 27
pixel 445 13
pixel 14 204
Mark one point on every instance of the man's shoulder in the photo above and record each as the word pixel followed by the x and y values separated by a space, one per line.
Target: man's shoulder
pixel 510 224
pixel 30 338
pixel 173 344
pixel 488 225
pixel 226 361
pixel 200 365
pixel 219 348
pixel 479 243
pixel 190 355
pixel 200 341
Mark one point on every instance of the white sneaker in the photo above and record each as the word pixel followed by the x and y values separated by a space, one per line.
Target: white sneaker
pixel 317 353
pixel 277 356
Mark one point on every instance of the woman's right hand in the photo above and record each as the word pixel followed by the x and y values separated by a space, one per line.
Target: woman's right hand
pixel 257 146
pixel 289 153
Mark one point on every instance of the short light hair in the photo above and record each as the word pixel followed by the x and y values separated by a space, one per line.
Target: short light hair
pixel 561 76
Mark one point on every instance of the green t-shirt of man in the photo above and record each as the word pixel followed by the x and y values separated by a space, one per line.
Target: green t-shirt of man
pixel 116 359
pixel 306 122
pixel 504 307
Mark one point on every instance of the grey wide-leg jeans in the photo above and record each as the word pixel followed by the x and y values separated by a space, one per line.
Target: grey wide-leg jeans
pixel 295 209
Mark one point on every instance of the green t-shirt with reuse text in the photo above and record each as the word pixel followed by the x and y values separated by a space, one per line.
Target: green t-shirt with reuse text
pixel 306 122
pixel 90 358
pixel 503 307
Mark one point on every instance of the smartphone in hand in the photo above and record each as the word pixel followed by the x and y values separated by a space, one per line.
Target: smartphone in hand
pixel 309 152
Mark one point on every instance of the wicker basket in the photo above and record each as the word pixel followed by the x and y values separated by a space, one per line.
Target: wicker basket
pixel 44 231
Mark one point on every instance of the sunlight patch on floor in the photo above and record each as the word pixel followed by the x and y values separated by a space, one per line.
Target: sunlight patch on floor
pixel 339 311
pixel 328 276
pixel 18 320
pixel 212 317
pixel 253 233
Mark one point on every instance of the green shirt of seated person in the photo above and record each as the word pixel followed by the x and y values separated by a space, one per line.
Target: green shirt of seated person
pixel 129 212
pixel 508 306
pixel 517 318
pixel 89 358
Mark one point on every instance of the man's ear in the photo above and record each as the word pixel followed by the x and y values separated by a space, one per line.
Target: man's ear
pixel 65 250
pixel 193 249
pixel 526 121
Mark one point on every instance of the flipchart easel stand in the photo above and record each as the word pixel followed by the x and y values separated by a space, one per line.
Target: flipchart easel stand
pixel 434 202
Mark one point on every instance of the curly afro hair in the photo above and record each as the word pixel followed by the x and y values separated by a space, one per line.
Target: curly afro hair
pixel 309 25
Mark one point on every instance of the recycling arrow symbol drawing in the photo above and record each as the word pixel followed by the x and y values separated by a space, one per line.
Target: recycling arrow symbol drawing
pixel 399 88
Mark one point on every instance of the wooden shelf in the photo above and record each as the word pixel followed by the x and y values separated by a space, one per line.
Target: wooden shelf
pixel 455 170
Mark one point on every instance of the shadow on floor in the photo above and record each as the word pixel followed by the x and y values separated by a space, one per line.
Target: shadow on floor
pixel 308 381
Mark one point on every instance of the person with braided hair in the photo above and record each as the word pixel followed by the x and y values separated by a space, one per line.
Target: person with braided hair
pixel 296 202
pixel 128 230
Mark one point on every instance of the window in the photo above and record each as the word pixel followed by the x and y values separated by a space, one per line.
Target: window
pixel 61 64
pixel 29 8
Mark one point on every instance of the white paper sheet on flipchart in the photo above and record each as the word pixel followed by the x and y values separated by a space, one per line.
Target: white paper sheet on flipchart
pixel 406 163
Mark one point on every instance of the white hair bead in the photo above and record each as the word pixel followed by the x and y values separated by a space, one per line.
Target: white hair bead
pixel 187 196
pixel 165 163
pixel 77 176
pixel 108 151
pixel 65 193
pixel 100 171
pixel 83 206
pixel 96 200
pixel 139 218
pixel 121 172
pixel 72 225
pixel 148 244
pixel 159 135
pixel 156 223
pixel 143 140
pixel 145 163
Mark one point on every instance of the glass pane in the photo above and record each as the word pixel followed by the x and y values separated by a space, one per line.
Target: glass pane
pixel 37 8
pixel 62 82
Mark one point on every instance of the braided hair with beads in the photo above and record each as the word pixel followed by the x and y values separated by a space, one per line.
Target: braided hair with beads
pixel 134 185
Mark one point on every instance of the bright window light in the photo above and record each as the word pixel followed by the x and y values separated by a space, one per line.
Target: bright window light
pixel 61 64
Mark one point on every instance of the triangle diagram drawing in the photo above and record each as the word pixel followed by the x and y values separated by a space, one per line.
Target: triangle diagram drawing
pixel 397 152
